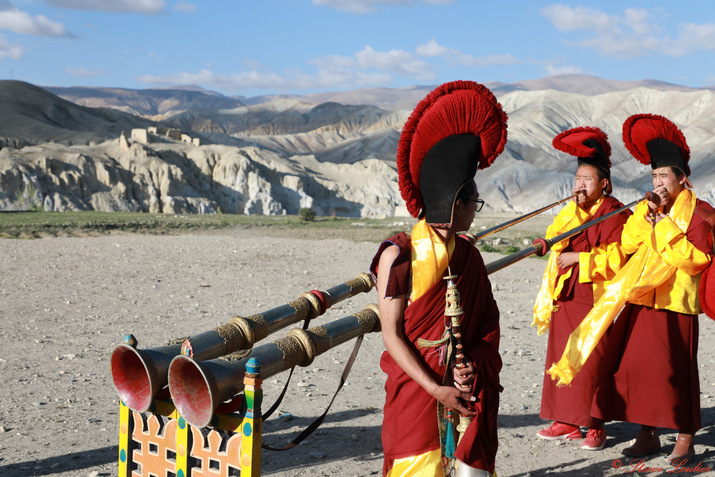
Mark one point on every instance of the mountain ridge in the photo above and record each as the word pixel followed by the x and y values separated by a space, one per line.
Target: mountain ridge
pixel 380 97
pixel 289 153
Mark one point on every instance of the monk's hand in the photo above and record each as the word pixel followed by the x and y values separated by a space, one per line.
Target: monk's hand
pixel 655 217
pixel 455 399
pixel 567 259
pixel 580 196
pixel 657 198
pixel 464 376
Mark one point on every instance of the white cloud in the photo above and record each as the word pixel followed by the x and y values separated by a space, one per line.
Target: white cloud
pixel 83 73
pixel 185 7
pixel 369 6
pixel 566 18
pixel 552 70
pixel 150 7
pixel 692 38
pixel 155 57
pixel 253 64
pixel 458 58
pixel 431 48
pixel 638 21
pixel 8 50
pixel 238 82
pixel 634 33
pixel 25 24
pixel 392 61
pixel 367 67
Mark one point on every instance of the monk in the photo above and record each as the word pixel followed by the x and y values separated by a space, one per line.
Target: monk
pixel 650 376
pixel 433 374
pixel 573 280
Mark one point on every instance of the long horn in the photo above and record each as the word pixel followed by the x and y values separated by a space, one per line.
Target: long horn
pixel 199 387
pixel 241 333
pixel 543 245
pixel 498 228
pixel 139 374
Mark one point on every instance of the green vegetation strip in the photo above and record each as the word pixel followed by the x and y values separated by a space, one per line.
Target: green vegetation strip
pixel 44 224
pixel 38 224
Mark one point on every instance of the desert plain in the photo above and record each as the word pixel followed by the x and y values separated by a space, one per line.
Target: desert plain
pixel 66 302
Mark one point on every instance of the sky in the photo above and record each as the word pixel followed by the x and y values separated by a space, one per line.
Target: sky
pixel 258 47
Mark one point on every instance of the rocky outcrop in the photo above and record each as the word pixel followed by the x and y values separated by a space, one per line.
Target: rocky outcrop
pixel 290 154
pixel 182 178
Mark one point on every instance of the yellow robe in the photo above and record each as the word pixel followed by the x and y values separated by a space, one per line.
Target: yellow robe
pixel 596 266
pixel 570 217
pixel 663 258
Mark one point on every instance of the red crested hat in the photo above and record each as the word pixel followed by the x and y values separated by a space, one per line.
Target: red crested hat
pixel 655 140
pixel 455 130
pixel 590 145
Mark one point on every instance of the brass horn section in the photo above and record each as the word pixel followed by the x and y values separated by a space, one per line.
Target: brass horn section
pixel 199 387
pixel 543 245
pixel 498 228
pixel 139 374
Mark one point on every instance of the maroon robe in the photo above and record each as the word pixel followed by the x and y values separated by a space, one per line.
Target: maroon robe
pixel 572 404
pixel 650 370
pixel 410 414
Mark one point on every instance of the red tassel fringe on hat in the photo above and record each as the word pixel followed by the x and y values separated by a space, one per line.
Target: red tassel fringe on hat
pixel 641 128
pixel 571 142
pixel 458 107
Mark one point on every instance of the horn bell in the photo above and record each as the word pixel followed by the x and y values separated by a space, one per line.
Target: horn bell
pixel 139 374
pixel 199 387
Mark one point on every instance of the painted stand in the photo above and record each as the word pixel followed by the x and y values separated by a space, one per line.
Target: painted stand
pixel 160 443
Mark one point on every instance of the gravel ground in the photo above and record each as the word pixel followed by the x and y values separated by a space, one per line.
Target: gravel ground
pixel 66 302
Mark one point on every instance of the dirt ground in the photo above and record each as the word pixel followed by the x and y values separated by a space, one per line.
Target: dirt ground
pixel 66 302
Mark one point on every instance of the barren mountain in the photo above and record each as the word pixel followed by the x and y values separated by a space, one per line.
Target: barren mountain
pixel 289 117
pixel 31 114
pixel 166 102
pixel 406 98
pixel 150 103
pixel 279 156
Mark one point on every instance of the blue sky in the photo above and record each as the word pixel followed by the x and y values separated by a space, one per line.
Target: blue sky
pixel 254 47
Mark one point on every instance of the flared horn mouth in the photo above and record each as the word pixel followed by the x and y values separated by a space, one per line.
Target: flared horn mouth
pixel 199 387
pixel 139 374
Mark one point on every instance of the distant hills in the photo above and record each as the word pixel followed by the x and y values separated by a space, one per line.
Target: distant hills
pixel 407 98
pixel 149 103
pixel 333 152
pixel 169 101
pixel 31 115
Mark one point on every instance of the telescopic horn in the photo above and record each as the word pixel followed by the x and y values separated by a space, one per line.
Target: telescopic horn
pixel 139 374
pixel 241 333
pixel 199 387
pixel 542 245
pixel 498 228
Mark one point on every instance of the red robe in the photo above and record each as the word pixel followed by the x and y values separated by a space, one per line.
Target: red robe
pixel 650 370
pixel 410 414
pixel 572 404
